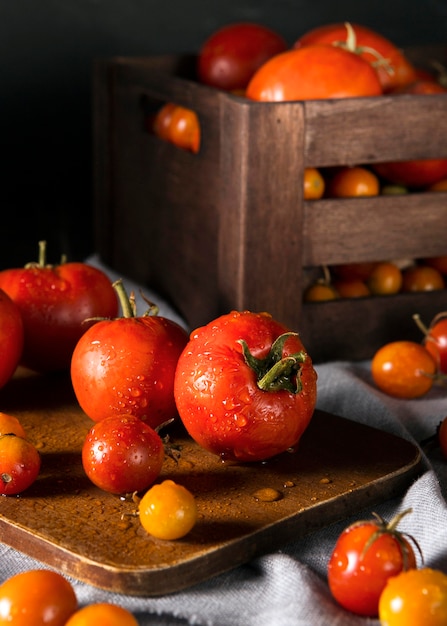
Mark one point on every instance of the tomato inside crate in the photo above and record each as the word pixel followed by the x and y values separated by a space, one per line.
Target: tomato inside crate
pixel 227 228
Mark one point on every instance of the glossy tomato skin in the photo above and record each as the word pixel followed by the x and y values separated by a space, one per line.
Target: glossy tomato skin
pixel 168 511
pixel 403 369
pixel 231 55
pixel 127 365
pixel 19 464
pixel 435 342
pixel 412 174
pixel 36 598
pixel 122 454
pixel 313 72
pixel 415 598
pixel 402 72
pixel 11 337
pixel 103 614
pixel 218 397
pixel 357 576
pixel 54 302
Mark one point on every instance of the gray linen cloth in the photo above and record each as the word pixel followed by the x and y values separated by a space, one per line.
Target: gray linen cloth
pixel 288 587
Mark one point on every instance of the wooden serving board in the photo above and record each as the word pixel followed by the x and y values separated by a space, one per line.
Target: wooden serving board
pixel 65 522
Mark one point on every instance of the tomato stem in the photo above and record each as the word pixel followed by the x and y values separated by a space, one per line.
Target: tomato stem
pixel 276 372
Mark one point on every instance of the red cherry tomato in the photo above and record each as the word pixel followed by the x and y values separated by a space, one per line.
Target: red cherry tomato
pixel 403 369
pixel 435 339
pixel 395 69
pixel 417 597
pixel 11 337
pixel 412 174
pixel 179 126
pixel 126 365
pixel 19 464
pixel 313 72
pixel 122 454
pixel 245 388
pixel 366 555
pixel 55 301
pixel 36 598
pixel 231 55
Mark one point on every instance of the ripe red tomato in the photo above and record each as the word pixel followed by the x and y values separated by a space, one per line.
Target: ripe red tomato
pixel 122 454
pixel 313 72
pixel 126 365
pixel 55 301
pixel 19 464
pixel 231 55
pixel 395 68
pixel 435 339
pixel 403 369
pixel 36 598
pixel 366 555
pixel 168 511
pixel 102 613
pixel 11 337
pixel 417 597
pixel 245 388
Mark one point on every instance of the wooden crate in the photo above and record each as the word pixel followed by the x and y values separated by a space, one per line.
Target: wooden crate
pixel 228 228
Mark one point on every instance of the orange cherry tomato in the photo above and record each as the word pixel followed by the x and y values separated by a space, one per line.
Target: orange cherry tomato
pixel 36 598
pixel 19 464
pixel 178 125
pixel 403 369
pixel 314 184
pixel 324 71
pixel 168 511
pixel 319 292
pixel 351 182
pixel 417 597
pixel 370 45
pixel 422 278
pixel 385 279
pixel 103 614
pixel 10 424
pixel 352 288
pixel 163 119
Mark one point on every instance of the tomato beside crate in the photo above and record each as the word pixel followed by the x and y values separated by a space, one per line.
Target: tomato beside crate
pixel 227 228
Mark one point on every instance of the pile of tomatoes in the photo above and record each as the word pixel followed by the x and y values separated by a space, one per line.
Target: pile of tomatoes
pixel 381 278
pixel 338 60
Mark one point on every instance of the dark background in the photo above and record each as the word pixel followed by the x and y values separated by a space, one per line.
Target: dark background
pixel 46 52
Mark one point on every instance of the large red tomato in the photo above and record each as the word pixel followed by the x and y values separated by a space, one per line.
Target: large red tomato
pixel 126 366
pixel 314 72
pixel 245 388
pixel 11 337
pixel 54 302
pixel 392 66
pixel 231 55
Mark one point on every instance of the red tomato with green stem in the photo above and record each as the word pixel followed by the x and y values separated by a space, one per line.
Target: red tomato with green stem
pixel 318 71
pixel 126 365
pixel 435 339
pixel 19 464
pixel 11 337
pixel 55 301
pixel 231 55
pixel 365 556
pixel 391 65
pixel 245 387
pixel 122 454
